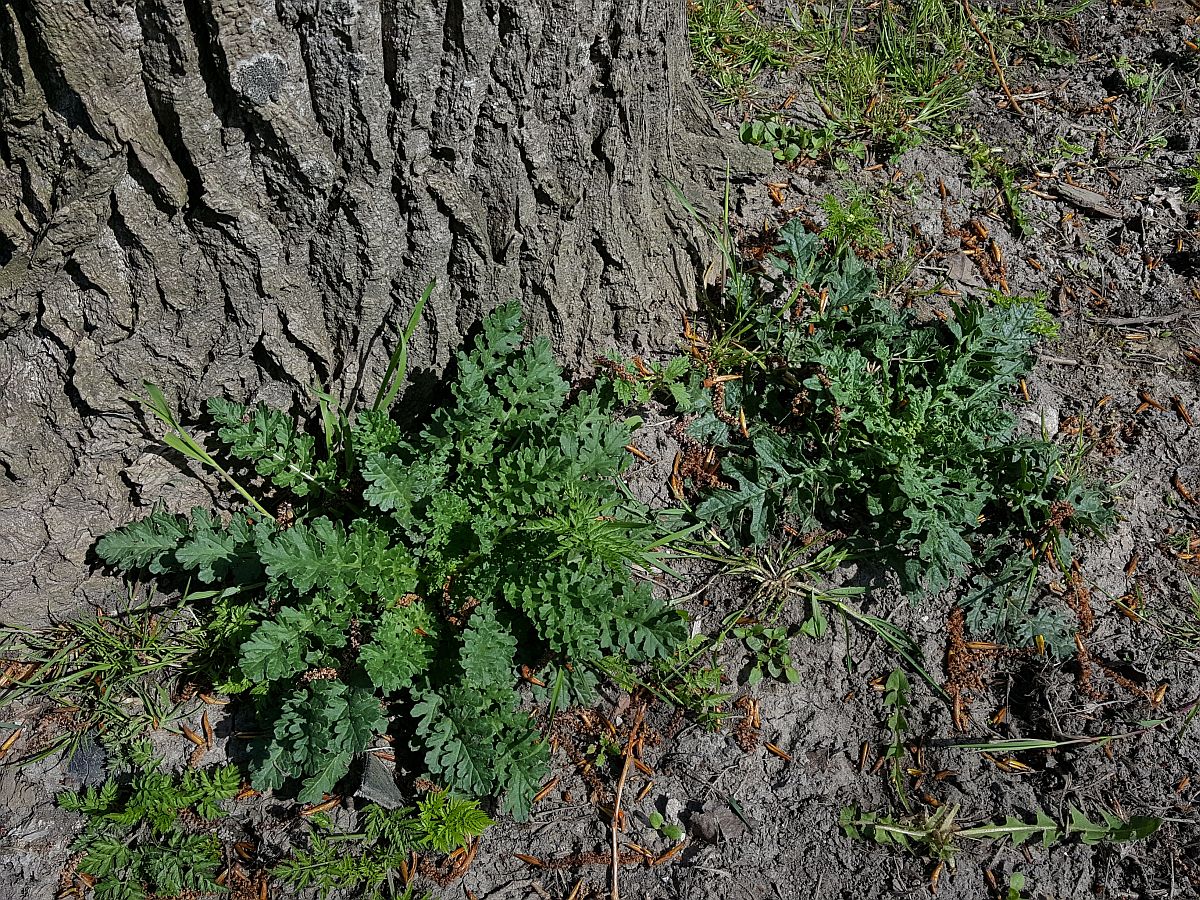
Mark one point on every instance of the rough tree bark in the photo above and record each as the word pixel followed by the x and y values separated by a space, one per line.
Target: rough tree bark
pixel 246 196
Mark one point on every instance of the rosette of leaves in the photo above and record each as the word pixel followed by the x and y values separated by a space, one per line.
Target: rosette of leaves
pixel 851 415
pixel 420 563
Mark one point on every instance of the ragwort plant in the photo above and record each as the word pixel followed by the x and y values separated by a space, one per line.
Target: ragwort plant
pixel 411 566
pixel 844 413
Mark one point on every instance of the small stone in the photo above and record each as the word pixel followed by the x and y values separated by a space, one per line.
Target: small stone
pixel 716 821
pixel 704 827
pixel 379 784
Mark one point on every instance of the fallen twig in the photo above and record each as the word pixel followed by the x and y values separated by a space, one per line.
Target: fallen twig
pixel 1012 101
pixel 1087 200
pixel 1061 360
pixel 1144 320
pixel 615 823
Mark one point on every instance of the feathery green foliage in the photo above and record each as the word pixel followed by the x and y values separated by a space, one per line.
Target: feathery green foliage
pixel 363 863
pixel 853 225
pixel 420 564
pixel 444 822
pixel 132 843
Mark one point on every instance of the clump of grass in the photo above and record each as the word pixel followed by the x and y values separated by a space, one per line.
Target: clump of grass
pixel 731 46
pixel 101 675
pixel 1019 31
pixel 1182 623
pixel 896 78
pixel 1143 82
pixel 890 74
pixel 936 835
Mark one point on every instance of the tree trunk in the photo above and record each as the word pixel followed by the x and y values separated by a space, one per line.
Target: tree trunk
pixel 245 198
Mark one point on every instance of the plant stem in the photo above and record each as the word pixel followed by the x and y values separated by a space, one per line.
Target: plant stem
pixel 615 824
pixel 1012 101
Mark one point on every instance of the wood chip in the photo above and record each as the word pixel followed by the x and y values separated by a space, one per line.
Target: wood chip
pixel 9 741
pixel 193 737
pixel 1087 200
pixel 549 786
pixel 323 806
pixel 1182 489
pixel 782 754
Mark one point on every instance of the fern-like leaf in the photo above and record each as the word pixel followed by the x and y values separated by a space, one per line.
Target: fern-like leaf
pixel 460 742
pixel 522 764
pixel 105 856
pixel 277 648
pixel 487 652
pixel 643 628
pixel 269 439
pixel 318 729
pixel 149 543
pixel 212 550
pixel 306 555
pixel 446 823
pixel 398 486
pixel 401 648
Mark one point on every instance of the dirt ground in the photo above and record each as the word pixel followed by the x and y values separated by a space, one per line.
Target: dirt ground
pixel 1123 277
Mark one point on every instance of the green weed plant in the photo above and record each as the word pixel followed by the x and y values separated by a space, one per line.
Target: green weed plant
pixel 134 845
pixel 937 835
pixel 769 649
pixel 418 565
pixel 366 863
pixel 787 142
pixel 1044 325
pixel 853 224
pixel 1191 179
pixel 850 415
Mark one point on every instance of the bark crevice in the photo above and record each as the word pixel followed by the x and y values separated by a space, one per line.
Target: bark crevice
pixel 239 199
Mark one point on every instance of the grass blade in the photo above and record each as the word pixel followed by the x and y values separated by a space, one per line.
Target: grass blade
pixel 398 365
